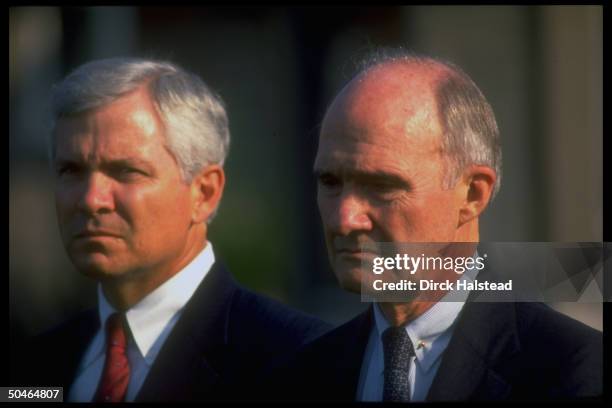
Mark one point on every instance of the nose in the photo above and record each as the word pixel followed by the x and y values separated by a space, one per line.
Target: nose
pixel 96 195
pixel 348 214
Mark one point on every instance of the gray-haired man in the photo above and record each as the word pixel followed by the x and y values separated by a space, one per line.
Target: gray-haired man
pixel 138 149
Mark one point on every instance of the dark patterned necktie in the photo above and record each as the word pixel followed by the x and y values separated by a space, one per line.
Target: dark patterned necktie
pixel 116 375
pixel 398 351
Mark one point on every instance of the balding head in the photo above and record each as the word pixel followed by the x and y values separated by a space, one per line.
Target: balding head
pixel 386 151
pixel 469 130
pixel 397 97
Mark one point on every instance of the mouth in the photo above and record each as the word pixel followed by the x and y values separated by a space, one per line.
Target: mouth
pixel 355 253
pixel 95 234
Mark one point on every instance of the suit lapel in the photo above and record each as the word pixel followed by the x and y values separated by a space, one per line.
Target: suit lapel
pixel 484 337
pixel 353 355
pixel 191 360
pixel 77 339
pixel 343 358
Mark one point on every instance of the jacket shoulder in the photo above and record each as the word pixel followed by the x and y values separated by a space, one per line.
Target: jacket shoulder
pixel 46 357
pixel 539 322
pixel 570 350
pixel 270 325
pixel 325 369
pixel 336 339
pixel 83 321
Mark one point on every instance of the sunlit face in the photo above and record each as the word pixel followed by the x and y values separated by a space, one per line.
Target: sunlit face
pixel 380 169
pixel 122 206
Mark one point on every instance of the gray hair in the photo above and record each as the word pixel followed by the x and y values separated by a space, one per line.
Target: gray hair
pixel 197 132
pixel 470 132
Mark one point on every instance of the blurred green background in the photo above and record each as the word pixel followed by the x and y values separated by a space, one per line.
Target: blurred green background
pixel 277 68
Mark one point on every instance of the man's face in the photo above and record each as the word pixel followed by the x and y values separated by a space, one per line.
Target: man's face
pixel 121 204
pixel 380 170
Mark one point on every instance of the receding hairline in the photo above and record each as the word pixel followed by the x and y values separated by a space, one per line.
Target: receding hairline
pixel 425 77
pixel 435 73
pixel 415 77
pixel 436 69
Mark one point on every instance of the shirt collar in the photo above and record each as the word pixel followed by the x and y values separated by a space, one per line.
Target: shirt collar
pixel 148 318
pixel 430 332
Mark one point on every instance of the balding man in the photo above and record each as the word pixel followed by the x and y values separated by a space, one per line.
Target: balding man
pixel 409 151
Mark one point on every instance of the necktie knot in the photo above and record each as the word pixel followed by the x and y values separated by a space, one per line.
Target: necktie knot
pixel 115 331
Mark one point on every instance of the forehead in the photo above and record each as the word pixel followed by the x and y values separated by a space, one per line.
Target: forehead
pixel 386 117
pixel 129 125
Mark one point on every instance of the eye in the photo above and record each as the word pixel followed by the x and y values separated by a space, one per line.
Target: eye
pixel 122 172
pixel 382 187
pixel 68 169
pixel 329 181
pixel 129 170
pixel 383 190
pixel 128 173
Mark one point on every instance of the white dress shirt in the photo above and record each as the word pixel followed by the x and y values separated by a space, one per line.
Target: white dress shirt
pixel 430 333
pixel 150 321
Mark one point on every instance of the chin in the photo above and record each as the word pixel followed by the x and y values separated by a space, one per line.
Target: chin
pixel 349 278
pixel 96 266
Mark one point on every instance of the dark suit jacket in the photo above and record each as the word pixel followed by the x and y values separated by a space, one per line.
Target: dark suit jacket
pixel 498 351
pixel 225 336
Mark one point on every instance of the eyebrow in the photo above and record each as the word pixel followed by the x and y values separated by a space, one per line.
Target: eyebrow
pixel 365 176
pixel 121 162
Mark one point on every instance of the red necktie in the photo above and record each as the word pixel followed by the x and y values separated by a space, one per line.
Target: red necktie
pixel 116 375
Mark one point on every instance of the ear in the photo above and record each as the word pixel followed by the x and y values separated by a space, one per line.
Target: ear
pixel 479 181
pixel 206 191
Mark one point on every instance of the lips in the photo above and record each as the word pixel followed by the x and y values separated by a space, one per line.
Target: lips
pixel 355 253
pixel 347 250
pixel 96 233
pixel 354 250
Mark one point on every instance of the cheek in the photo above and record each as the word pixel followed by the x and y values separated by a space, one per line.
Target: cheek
pixel 441 216
pixel 324 209
pixel 153 211
pixel 430 219
pixel 60 203
pixel 397 224
pixel 65 204
pixel 62 195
